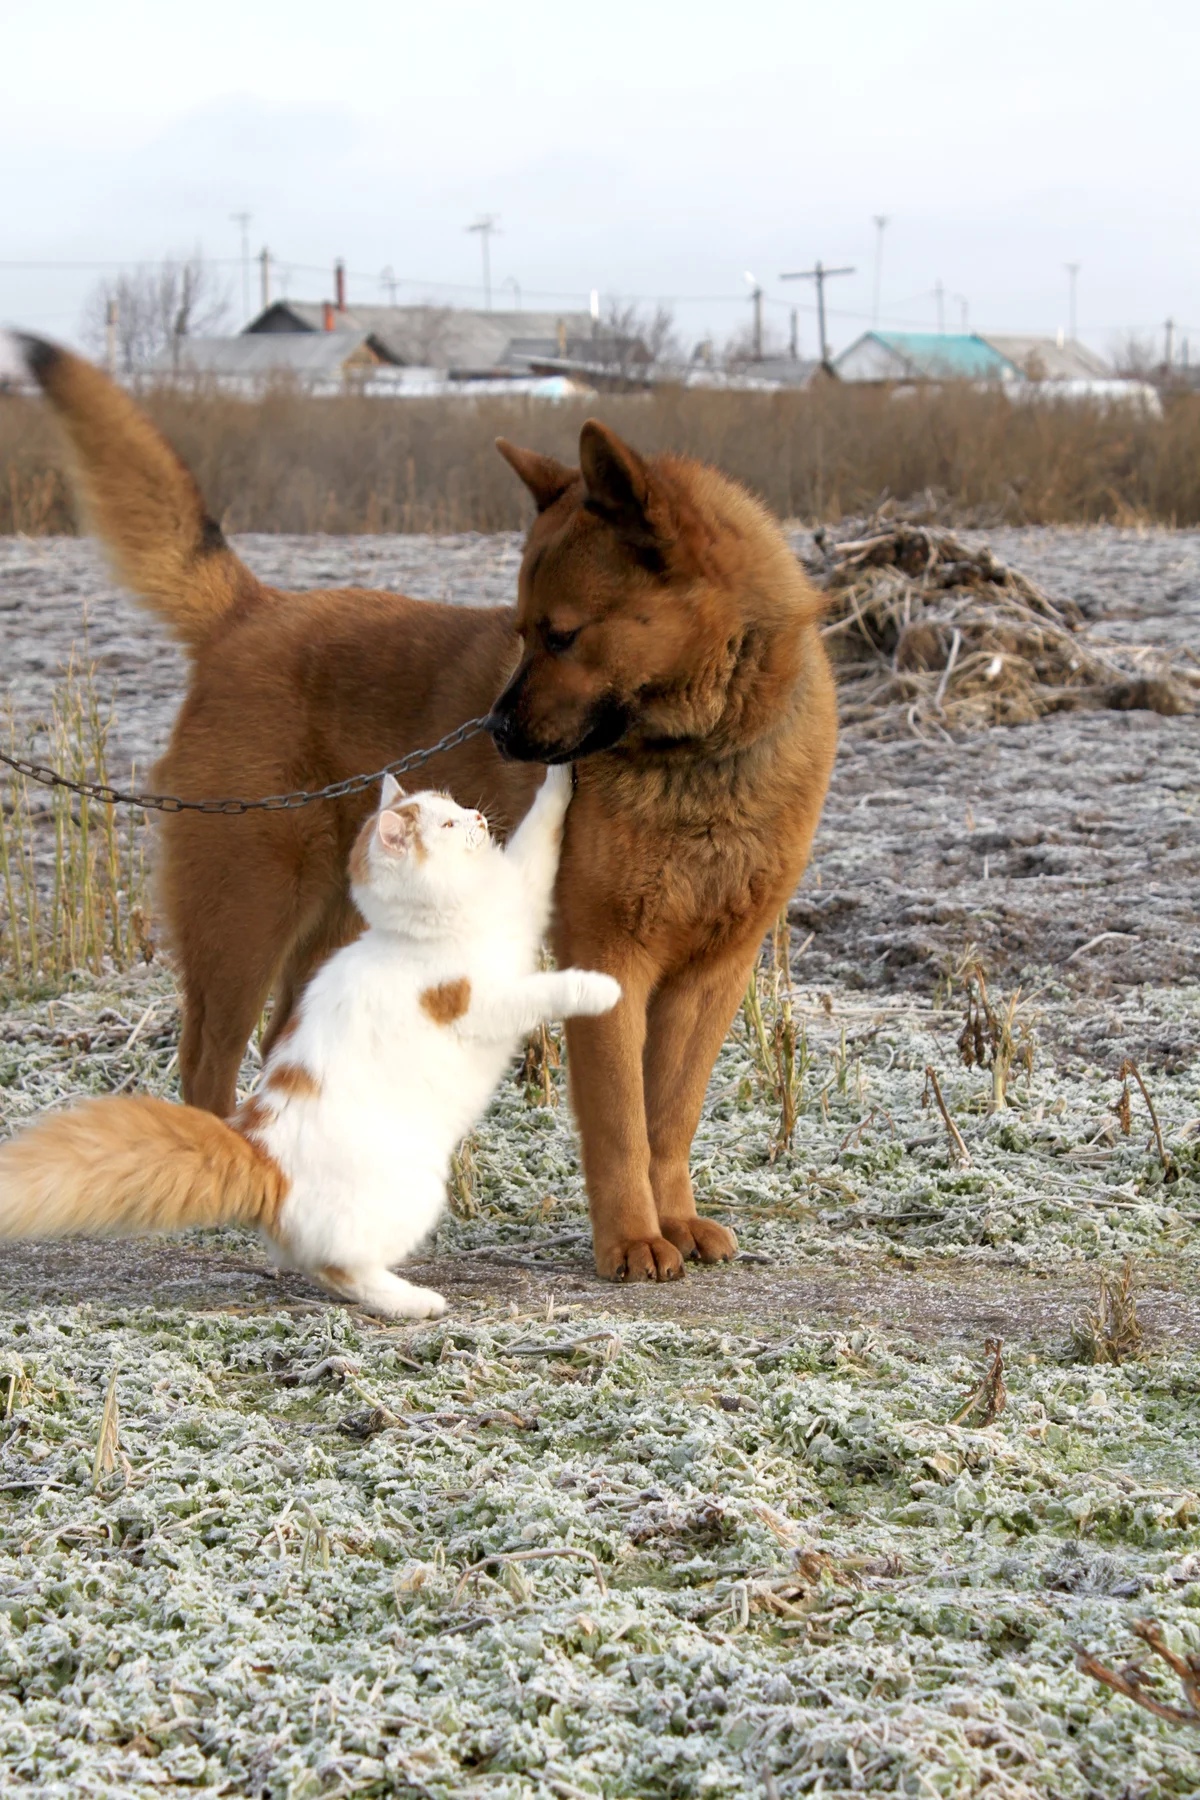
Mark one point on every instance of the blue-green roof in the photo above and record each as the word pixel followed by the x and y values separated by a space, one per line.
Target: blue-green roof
pixel 935 354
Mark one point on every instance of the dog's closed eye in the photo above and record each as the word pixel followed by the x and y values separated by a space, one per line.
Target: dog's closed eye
pixel 558 641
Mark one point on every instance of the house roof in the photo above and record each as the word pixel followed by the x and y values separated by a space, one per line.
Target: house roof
pixel 326 355
pixel 431 336
pixel 922 356
pixel 1048 359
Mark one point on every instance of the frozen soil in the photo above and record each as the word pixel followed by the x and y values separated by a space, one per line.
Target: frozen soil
pixel 716 1538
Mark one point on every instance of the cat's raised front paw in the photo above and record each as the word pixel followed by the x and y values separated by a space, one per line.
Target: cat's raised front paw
pixel 594 993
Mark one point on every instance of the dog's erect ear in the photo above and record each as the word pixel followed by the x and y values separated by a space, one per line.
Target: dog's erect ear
pixel 390 792
pixel 546 478
pixel 621 488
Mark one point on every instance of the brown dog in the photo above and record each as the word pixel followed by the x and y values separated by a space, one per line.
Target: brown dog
pixel 664 635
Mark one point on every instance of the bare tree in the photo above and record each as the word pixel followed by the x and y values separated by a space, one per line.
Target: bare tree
pixel 639 340
pixel 739 349
pixel 154 309
pixel 1135 356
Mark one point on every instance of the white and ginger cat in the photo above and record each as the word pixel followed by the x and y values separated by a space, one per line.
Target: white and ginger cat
pixel 341 1157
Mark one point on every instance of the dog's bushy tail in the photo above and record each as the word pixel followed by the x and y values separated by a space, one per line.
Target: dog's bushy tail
pixel 130 1165
pixel 139 498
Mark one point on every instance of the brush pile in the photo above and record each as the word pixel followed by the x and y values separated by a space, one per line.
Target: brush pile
pixel 928 632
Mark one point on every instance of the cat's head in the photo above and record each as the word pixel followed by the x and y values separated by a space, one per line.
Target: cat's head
pixel 417 848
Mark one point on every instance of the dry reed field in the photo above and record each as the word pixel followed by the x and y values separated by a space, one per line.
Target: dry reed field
pixel 906 1502
pixel 291 463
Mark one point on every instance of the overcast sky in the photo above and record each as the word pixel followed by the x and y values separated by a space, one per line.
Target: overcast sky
pixel 656 150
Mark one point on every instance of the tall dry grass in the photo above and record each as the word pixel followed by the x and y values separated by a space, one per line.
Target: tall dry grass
pixel 290 462
pixel 72 872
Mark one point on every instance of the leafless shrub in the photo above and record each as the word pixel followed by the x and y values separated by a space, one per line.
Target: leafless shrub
pixel 1109 1333
pixel 154 309
pixel 989 1397
pixel 993 1040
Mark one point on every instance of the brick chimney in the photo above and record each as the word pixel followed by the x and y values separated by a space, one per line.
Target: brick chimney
pixel 339 284
pixel 327 319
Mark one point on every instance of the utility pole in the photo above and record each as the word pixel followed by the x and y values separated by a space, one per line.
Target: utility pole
pixel 512 282
pixel 1073 276
pixel 963 312
pixel 264 267
pixel 387 280
pixel 756 297
pixel 243 219
pixel 486 225
pixel 939 294
pixel 819 275
pixel 881 221
pixel 110 337
pixel 1168 342
pixel 794 342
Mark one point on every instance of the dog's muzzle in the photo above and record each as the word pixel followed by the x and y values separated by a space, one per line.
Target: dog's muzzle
pixel 606 726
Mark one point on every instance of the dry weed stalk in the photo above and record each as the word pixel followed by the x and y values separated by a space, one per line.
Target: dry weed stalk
pixel 72 872
pixel 779 1048
pixel 108 1442
pixel 1124 1113
pixel 990 1396
pixel 958 1146
pixel 989 1040
pixel 927 630
pixel 1111 1333
pixel 543 1054
pixel 1132 1679
pixel 464 1200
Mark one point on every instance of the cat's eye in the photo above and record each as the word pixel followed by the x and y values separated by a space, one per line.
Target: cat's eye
pixel 448 824
pixel 558 641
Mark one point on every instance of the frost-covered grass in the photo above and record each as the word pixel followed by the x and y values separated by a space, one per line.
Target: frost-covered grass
pixel 601 1554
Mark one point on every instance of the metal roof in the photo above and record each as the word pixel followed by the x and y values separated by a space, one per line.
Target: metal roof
pixel 429 336
pixel 922 356
pixel 1048 359
pixel 313 356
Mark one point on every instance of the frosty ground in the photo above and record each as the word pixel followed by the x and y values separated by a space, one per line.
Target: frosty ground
pixel 714 1538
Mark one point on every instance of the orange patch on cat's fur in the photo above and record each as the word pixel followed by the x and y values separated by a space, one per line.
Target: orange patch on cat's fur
pixel 251 1116
pixel 292 1081
pixel 362 843
pixel 447 1001
pixel 358 856
pixel 413 814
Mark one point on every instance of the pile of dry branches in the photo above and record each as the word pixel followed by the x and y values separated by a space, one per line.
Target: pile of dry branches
pixel 926 632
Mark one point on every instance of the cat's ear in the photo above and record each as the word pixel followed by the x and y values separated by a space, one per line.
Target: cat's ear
pixel 391 791
pixel 398 830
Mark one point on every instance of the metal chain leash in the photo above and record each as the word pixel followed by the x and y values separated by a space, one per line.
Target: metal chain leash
pixel 171 803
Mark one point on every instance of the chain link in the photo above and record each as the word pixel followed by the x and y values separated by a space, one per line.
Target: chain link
pixel 171 803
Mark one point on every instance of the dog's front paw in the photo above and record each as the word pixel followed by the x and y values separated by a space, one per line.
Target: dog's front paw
pixel 639 1259
pixel 594 993
pixel 701 1240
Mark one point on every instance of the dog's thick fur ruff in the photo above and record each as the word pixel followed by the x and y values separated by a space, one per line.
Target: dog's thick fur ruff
pixel 664 636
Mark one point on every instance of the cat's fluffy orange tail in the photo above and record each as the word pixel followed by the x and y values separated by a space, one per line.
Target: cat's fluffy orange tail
pixel 130 1165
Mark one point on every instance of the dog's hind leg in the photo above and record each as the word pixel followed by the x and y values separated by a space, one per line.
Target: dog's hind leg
pixel 338 925
pixel 688 1018
pixel 224 991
